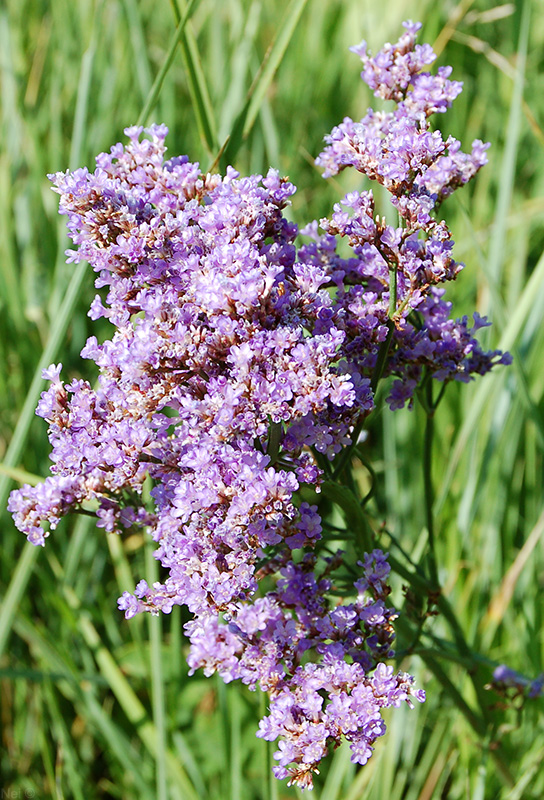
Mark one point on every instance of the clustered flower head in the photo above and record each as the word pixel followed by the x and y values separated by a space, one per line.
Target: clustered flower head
pixel 240 366
pixel 511 684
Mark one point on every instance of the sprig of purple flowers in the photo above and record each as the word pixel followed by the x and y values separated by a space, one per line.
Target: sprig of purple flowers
pixel 241 365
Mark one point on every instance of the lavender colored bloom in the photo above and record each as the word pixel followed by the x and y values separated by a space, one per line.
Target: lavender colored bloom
pixel 420 169
pixel 241 361
pixel 313 706
pixel 507 680
pixel 398 148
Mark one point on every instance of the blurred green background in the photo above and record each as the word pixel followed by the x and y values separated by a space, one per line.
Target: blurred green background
pixel 93 706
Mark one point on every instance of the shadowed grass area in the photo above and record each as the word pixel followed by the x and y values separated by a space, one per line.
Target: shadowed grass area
pixel 93 706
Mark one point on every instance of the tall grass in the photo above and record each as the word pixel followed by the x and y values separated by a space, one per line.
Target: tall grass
pixel 93 706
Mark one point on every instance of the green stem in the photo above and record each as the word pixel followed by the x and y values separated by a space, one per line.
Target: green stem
pixel 275 433
pixel 342 460
pixel 196 81
pixel 155 90
pixel 157 685
pixel 383 352
pixel 428 482
pixel 393 290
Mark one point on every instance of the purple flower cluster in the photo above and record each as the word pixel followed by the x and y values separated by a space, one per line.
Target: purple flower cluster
pixel 240 366
pixel 395 272
pixel 271 641
pixel 398 148
pixel 510 683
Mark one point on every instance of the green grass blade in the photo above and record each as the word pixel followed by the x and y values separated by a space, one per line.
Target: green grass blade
pixel 131 705
pixel 203 108
pixel 139 50
pixel 17 586
pixel 78 540
pixel 20 475
pixel 11 118
pixel 119 560
pixel 508 165
pixel 501 315
pixel 58 331
pixel 235 755
pixel 235 94
pixel 79 689
pixel 190 764
pixel 157 681
pixel 82 103
pixel 11 129
pixel 178 37
pixel 488 386
pixel 66 771
pixel 340 763
pixel 257 91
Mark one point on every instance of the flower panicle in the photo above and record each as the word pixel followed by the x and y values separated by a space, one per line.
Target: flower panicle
pixel 241 363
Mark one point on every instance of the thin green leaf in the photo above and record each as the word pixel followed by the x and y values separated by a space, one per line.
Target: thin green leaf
pixel 488 387
pixel 20 475
pixel 132 706
pixel 355 517
pixel 157 681
pixel 17 586
pixel 79 689
pixel 508 166
pixel 179 37
pixel 139 50
pixel 205 118
pixel 257 91
pixel 340 763
pixel 58 330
